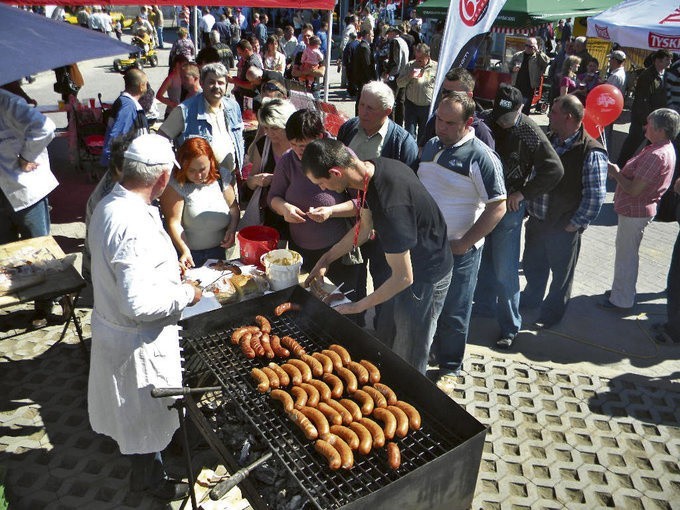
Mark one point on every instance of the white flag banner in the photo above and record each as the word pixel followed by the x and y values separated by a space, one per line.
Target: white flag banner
pixel 466 24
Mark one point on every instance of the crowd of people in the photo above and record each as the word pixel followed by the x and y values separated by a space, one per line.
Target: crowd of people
pixel 431 207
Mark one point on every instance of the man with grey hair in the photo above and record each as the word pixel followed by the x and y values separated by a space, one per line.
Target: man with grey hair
pixel 370 135
pixel 214 115
pixel 527 68
pixel 138 298
pixel 639 186
pixel 581 51
pixel 557 219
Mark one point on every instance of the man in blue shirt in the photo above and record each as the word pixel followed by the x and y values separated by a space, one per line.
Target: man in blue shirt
pixel 465 177
pixel 322 34
pixel 558 218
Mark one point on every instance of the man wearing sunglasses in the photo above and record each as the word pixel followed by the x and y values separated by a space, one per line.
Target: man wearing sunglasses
pixel 527 68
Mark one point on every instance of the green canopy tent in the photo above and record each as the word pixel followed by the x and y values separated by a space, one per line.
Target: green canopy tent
pixel 526 13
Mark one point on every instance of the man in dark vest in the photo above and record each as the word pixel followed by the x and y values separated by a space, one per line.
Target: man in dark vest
pixel 557 219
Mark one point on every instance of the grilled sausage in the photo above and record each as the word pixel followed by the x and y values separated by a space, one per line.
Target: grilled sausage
pixel 284 380
pixel 330 453
pixel 402 420
pixel 324 390
pixel 325 361
pixel 303 368
pixel 313 396
pixel 412 413
pixel 266 343
pixel 286 307
pixel 341 410
pixel 317 418
pixel 239 332
pixel 387 391
pixel 365 401
pixel 378 398
pixel 350 437
pixel 365 438
pixel 333 417
pixel 337 388
pixel 273 378
pixel 375 430
pixel 300 397
pixel 389 421
pixel 373 372
pixel 279 351
pixel 350 379
pixel 308 429
pixel 293 373
pixel 261 379
pixel 352 407
pixel 246 348
pixel 264 324
pixel 257 345
pixel 334 356
pixel 314 364
pixel 393 455
pixel 346 455
pixel 285 399
pixel 359 370
pixel 342 352
pixel 293 345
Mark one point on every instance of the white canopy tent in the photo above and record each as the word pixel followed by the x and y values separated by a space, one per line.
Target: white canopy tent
pixel 646 24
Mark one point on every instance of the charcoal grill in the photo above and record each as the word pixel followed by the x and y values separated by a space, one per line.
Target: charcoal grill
pixel 440 461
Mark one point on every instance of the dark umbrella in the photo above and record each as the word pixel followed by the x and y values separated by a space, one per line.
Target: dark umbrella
pixel 30 43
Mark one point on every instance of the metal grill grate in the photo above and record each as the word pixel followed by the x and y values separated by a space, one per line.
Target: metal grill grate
pixel 326 489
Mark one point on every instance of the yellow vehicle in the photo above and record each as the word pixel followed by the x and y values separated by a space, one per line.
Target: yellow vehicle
pixel 138 58
pixel 115 17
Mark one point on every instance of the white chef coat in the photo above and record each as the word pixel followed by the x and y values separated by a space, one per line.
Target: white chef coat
pixel 25 132
pixel 138 298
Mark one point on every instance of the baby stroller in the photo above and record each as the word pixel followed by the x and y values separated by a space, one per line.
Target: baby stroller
pixel 90 129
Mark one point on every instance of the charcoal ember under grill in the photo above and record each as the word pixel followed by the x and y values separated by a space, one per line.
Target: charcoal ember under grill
pixel 440 461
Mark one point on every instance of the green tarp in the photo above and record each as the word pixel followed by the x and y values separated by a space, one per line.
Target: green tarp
pixel 523 13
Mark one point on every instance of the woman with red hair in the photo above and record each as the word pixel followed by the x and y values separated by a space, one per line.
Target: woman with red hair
pixel 200 209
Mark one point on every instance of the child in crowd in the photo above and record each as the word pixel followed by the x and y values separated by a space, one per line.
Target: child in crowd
pixel 311 59
pixel 142 40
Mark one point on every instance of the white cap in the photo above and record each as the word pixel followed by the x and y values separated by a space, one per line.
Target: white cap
pixel 151 150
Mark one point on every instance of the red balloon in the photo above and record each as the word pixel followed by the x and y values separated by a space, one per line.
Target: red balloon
pixel 606 102
pixel 592 124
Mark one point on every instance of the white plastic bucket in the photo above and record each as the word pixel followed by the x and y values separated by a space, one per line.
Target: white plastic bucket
pixel 282 268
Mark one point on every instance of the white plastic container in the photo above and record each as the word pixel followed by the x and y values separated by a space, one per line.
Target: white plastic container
pixel 282 268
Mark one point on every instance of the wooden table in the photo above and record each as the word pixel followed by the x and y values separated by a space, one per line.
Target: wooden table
pixel 65 282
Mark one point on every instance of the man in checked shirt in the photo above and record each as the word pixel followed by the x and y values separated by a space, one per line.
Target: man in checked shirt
pixel 558 218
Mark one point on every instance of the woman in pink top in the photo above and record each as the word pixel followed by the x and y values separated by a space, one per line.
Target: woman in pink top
pixel 640 185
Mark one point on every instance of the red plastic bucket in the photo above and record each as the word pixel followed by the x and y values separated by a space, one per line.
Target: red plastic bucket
pixel 256 241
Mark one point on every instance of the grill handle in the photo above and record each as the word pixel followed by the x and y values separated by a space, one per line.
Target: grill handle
pixel 181 392
pixel 225 486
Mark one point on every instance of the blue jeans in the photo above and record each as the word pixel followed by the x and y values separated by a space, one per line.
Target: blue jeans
pixel 549 249
pixel 415 118
pixel 146 471
pixel 408 321
pixel 201 256
pixel 159 32
pixel 33 221
pixel 454 321
pixel 497 292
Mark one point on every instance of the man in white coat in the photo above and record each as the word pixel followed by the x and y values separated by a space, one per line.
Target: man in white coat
pixel 138 298
pixel 25 177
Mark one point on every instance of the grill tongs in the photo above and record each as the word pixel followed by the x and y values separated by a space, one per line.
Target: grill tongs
pixel 224 486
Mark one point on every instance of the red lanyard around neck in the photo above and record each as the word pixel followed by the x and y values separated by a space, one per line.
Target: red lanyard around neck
pixel 361 202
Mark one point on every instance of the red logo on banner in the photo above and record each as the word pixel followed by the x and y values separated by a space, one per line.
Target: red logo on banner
pixel 472 11
pixel 602 32
pixel 670 42
pixel 673 17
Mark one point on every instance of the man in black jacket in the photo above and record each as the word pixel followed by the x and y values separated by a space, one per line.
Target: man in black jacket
pixel 650 94
pixel 397 58
pixel 531 168
pixel 363 64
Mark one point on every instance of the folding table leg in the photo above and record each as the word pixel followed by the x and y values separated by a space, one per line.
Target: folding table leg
pixel 72 316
